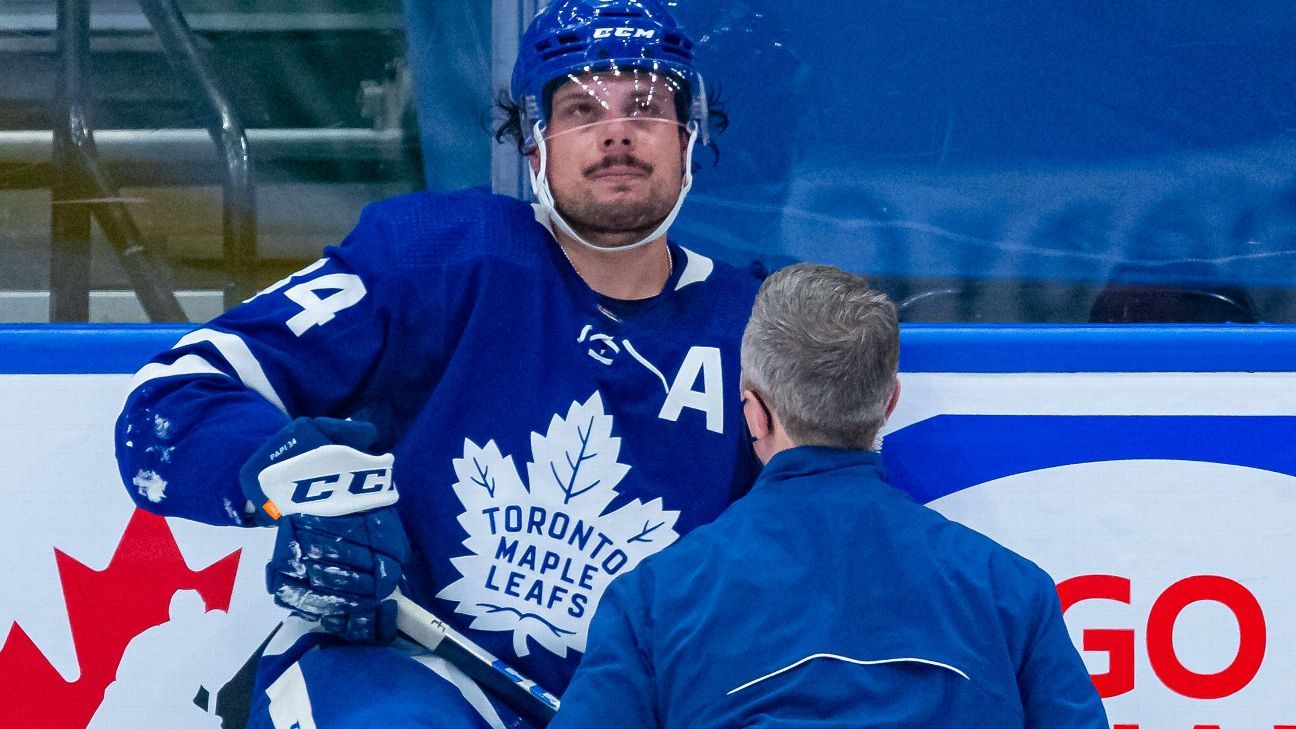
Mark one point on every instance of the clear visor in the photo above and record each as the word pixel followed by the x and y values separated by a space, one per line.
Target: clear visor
pixel 640 100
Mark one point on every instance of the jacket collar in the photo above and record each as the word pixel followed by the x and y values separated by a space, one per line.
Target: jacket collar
pixel 810 460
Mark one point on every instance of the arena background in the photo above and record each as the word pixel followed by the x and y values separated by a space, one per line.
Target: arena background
pixel 1044 168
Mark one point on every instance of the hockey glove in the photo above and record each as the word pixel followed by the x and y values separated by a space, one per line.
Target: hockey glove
pixel 338 554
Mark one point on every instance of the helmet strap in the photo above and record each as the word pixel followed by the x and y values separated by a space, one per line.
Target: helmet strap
pixel 545 199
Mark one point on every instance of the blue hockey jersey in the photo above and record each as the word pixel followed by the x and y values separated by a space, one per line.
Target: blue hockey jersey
pixel 547 438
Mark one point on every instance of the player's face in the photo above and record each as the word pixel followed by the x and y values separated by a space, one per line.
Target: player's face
pixel 615 151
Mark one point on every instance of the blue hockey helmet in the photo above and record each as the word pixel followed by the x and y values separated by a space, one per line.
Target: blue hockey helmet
pixel 572 37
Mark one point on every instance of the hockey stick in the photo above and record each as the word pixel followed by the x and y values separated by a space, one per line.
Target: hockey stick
pixel 520 694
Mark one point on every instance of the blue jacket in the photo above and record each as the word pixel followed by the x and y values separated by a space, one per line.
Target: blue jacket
pixel 827 598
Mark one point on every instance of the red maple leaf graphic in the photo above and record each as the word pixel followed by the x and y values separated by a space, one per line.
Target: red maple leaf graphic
pixel 107 610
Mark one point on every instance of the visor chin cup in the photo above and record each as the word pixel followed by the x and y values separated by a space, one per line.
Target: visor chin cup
pixel 545 199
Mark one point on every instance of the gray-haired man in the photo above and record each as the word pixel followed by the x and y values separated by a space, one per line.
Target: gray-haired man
pixel 826 597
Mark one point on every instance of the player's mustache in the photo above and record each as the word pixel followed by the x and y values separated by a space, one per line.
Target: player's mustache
pixel 620 160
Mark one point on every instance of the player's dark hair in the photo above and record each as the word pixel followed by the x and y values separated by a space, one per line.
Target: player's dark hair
pixel 509 116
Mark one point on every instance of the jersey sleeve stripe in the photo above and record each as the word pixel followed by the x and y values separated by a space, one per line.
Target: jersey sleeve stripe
pixel 190 364
pixel 240 357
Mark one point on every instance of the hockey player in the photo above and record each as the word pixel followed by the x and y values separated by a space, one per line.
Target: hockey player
pixel 538 396
pixel 827 598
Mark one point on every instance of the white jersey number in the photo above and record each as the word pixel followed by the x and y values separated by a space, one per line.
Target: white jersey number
pixel 346 289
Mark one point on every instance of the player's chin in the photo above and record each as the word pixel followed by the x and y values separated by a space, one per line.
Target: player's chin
pixel 621 225
pixel 637 194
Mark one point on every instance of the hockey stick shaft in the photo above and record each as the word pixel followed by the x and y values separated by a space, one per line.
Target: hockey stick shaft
pixel 520 694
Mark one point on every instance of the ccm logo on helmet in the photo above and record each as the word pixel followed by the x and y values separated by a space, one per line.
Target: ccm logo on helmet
pixel 624 33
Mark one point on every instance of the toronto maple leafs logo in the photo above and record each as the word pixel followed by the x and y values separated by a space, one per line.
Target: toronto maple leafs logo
pixel 543 550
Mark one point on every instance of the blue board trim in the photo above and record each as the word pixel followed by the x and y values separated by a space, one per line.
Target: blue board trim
pixel 83 349
pixel 1096 348
pixel 123 349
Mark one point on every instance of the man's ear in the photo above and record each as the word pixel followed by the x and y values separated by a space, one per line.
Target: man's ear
pixel 533 158
pixel 757 415
pixel 895 397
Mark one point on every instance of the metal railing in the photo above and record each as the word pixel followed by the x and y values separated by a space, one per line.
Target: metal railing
pixel 82 188
pixel 239 217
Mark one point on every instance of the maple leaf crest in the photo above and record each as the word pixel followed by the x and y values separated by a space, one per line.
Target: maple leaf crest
pixel 543 550
pixel 107 609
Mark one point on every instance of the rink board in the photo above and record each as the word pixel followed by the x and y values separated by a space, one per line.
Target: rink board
pixel 1149 470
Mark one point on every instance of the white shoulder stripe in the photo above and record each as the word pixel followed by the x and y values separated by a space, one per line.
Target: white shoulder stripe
pixel 236 352
pixel 697 268
pixel 190 364
pixel 847 660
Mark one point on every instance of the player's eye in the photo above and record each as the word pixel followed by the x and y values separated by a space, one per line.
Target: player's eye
pixel 578 111
pixel 654 106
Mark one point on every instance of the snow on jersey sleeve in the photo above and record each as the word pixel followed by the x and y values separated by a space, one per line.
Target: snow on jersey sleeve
pixel 322 341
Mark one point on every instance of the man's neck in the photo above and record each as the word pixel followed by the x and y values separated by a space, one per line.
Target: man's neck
pixel 776 443
pixel 639 273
